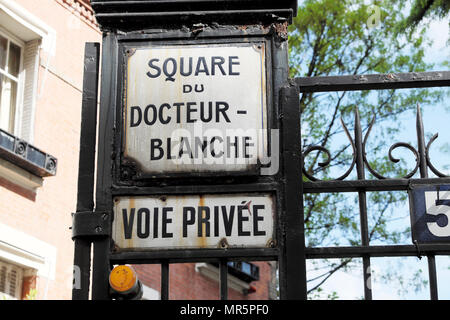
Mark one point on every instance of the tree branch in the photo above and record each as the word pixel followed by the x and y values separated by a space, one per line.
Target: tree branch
pixel 330 273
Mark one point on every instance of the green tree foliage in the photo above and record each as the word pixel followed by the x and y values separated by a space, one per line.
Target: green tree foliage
pixel 426 8
pixel 350 37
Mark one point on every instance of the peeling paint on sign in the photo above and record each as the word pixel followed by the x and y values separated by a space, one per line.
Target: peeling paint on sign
pixel 196 108
pixel 194 221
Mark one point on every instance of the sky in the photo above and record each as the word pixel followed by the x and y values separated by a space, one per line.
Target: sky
pixel 438 30
pixel 349 284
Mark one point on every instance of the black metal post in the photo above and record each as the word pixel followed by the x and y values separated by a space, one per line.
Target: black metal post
pixel 223 269
pixel 86 167
pixel 421 144
pixel 432 275
pixel 292 259
pixel 101 265
pixel 424 174
pixel 362 207
pixel 165 281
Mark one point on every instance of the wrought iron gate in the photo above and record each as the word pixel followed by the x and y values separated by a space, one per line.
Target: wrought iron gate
pixel 380 183
pixel 93 228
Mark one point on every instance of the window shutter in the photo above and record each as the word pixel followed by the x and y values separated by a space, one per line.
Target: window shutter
pixel 31 67
pixel 10 280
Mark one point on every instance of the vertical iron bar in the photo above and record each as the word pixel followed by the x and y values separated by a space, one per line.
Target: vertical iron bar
pixel 101 264
pixel 82 269
pixel 165 281
pixel 86 163
pixel 424 174
pixel 421 144
pixel 433 277
pixel 362 199
pixel 292 260
pixel 86 167
pixel 101 269
pixel 223 269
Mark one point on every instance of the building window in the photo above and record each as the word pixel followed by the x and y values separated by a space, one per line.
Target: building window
pixel 240 274
pixel 10 74
pixel 23 261
pixel 22 39
pixel 10 281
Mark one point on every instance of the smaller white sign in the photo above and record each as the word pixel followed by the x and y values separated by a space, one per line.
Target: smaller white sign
pixel 430 213
pixel 194 221
pixel 436 206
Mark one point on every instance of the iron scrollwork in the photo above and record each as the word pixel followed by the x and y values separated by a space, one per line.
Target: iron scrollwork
pixel 421 154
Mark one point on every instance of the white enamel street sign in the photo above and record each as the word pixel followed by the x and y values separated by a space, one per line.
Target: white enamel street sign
pixel 196 108
pixel 194 221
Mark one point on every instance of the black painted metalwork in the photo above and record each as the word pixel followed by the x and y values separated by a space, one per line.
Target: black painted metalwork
pixel 358 145
pixel 127 15
pixel 292 264
pixel 103 197
pixel 360 159
pixel 133 23
pixel 88 224
pixel 223 281
pixel 374 81
pixel 86 168
pixel 109 179
pixel 165 280
pixel 183 22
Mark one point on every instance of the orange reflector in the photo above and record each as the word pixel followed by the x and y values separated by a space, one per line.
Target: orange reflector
pixel 122 278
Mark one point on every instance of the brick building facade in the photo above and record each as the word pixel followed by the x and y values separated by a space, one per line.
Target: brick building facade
pixel 200 281
pixel 41 76
pixel 43 45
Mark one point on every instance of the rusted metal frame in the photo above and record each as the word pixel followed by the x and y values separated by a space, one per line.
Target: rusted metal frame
pixel 166 5
pixel 194 255
pixel 215 37
pixel 142 175
pixel 185 186
pixel 374 81
pixel 376 251
pixel 201 185
pixel 85 192
pixel 195 189
pixel 138 20
pixel 104 203
pixel 199 35
pixel 253 254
